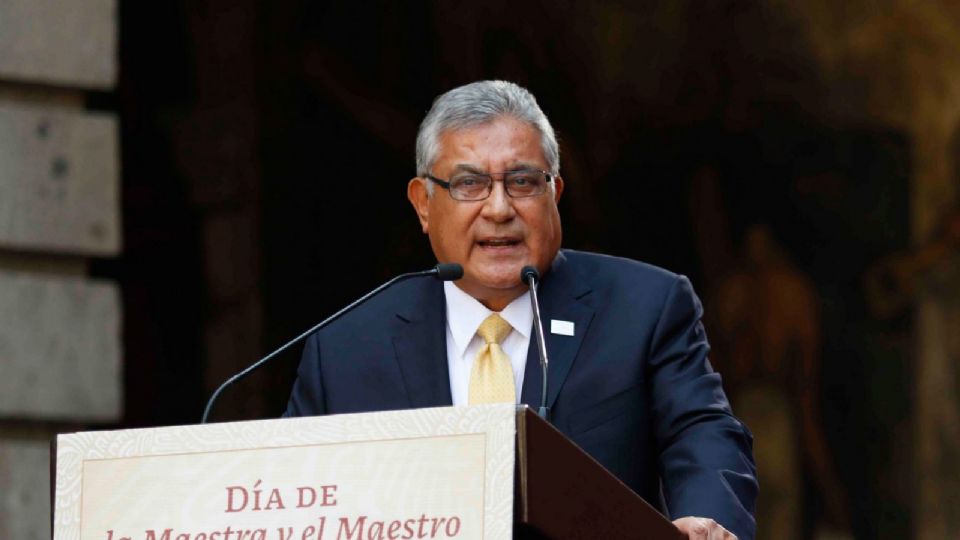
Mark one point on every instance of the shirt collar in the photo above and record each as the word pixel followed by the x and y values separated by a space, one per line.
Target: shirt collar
pixel 465 313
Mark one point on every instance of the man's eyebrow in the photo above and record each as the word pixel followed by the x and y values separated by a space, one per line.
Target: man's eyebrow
pixel 523 166
pixel 466 167
pixel 518 166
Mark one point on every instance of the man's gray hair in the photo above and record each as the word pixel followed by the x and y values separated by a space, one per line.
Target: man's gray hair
pixel 480 103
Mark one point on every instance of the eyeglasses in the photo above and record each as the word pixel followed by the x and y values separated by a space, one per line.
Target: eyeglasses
pixel 478 186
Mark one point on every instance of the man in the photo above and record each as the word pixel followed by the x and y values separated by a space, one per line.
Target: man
pixel 629 379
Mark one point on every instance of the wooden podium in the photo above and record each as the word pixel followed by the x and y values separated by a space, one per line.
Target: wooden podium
pixel 563 493
pixel 491 472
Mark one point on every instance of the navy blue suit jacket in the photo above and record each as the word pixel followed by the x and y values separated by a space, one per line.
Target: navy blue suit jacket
pixel 632 386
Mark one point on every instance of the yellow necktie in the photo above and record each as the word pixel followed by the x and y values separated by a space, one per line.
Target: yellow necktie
pixel 491 378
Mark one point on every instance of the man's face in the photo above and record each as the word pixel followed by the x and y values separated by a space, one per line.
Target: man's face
pixel 494 238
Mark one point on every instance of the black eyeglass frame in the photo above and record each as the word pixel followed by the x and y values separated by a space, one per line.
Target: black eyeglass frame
pixel 448 185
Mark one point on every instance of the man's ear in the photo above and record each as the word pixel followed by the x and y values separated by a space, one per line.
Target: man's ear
pixel 420 199
pixel 557 188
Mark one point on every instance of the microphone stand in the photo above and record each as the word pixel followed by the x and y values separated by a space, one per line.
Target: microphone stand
pixel 445 272
pixel 530 276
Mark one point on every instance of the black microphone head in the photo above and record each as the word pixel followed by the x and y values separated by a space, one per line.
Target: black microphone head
pixel 529 272
pixel 449 271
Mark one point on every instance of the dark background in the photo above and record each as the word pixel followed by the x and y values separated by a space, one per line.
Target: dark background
pixel 267 146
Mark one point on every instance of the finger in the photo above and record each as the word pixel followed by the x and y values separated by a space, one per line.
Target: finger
pixel 686 526
pixel 696 528
pixel 719 533
pixel 700 529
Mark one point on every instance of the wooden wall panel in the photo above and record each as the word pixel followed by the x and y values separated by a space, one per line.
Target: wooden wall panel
pixel 59 348
pixel 59 42
pixel 59 181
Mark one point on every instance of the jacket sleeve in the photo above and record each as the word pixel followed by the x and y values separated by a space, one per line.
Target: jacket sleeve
pixel 705 453
pixel 307 399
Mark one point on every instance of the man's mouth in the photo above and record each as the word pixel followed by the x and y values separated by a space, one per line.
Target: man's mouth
pixel 498 242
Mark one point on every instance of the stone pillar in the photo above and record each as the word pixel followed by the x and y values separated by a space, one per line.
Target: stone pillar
pixel 217 151
pixel 60 346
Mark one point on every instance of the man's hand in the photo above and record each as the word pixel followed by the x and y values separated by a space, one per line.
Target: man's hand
pixel 697 528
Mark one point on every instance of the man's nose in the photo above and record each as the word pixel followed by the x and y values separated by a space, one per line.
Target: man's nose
pixel 499 205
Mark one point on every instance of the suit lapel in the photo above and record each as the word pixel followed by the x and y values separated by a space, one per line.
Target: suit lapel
pixel 560 293
pixel 421 347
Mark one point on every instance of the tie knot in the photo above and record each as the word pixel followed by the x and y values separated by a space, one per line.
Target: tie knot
pixel 494 329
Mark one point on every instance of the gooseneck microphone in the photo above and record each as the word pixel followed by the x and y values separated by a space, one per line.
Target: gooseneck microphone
pixel 443 272
pixel 531 276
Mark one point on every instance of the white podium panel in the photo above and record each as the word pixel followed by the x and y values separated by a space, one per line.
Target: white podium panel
pixel 427 473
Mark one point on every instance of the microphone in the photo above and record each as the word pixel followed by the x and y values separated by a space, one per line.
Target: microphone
pixel 443 272
pixel 448 271
pixel 530 276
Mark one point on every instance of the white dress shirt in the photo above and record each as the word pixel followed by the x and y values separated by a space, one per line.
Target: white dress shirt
pixel 464 315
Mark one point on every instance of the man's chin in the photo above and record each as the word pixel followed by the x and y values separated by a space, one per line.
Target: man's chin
pixel 503 278
pixel 489 285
